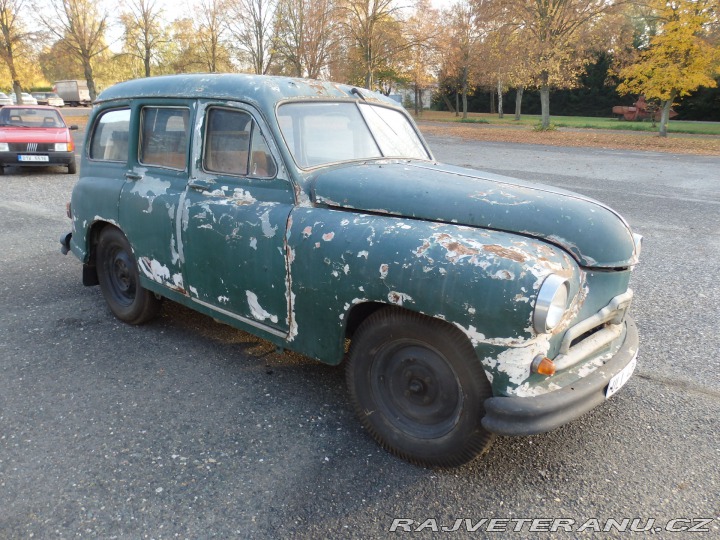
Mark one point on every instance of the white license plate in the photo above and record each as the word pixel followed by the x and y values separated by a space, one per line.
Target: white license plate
pixel 619 380
pixel 33 158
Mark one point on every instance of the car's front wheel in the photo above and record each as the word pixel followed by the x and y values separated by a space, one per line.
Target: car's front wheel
pixel 72 166
pixel 418 388
pixel 120 281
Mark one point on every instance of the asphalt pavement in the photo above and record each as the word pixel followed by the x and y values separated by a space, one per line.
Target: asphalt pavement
pixel 186 428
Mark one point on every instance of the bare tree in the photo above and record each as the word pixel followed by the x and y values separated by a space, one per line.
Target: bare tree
pixel 143 22
pixel 251 28
pixel 14 39
pixel 212 24
pixel 305 35
pixel 82 26
pixel 365 21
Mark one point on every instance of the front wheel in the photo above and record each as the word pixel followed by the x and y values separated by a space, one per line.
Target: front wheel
pixel 72 166
pixel 418 388
pixel 119 279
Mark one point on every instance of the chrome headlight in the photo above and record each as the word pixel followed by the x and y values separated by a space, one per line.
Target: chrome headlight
pixel 551 303
pixel 4 147
pixel 61 147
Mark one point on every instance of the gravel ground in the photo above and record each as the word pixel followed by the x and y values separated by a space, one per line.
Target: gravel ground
pixel 185 428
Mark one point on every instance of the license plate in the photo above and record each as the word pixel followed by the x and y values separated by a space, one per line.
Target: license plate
pixel 33 158
pixel 619 380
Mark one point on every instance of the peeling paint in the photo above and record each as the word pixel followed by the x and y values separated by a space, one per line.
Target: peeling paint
pixel 258 312
pixel 328 236
pixel 267 229
pixel 383 271
pixel 398 298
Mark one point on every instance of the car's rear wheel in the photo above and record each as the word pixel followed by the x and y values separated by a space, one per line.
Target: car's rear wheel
pixel 120 281
pixel 418 388
pixel 72 166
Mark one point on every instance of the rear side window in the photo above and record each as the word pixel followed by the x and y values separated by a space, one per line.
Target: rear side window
pixel 234 145
pixel 110 136
pixel 163 137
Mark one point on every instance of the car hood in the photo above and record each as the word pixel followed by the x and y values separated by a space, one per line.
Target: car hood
pixel 39 135
pixel 595 235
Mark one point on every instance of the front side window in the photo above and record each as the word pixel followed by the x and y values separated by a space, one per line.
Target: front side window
pixel 164 136
pixel 234 145
pixel 110 136
pixel 331 132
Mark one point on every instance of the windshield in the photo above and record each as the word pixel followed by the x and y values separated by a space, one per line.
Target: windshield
pixel 332 132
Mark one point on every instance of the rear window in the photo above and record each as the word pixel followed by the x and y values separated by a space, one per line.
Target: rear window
pixel 164 137
pixel 110 136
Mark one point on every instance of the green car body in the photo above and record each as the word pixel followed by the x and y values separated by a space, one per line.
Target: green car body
pixel 304 251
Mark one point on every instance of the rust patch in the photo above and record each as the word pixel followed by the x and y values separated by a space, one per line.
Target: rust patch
pixel 505 253
pixel 329 236
pixel 460 249
pixel 307 231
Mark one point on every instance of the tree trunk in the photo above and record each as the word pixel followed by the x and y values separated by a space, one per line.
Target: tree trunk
pixel 545 105
pixel 457 103
pixel 665 117
pixel 417 92
pixel 449 104
pixel 518 102
pixel 464 101
pixel 146 61
pixel 492 102
pixel 87 68
pixel 500 99
pixel 465 92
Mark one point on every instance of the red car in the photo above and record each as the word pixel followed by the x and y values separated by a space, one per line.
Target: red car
pixel 35 135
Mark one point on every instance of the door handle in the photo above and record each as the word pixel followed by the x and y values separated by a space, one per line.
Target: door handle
pixel 133 176
pixel 200 185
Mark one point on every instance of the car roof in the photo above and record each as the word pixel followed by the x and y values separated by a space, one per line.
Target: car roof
pixel 263 89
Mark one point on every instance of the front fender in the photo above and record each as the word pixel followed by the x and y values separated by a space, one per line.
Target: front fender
pixel 484 282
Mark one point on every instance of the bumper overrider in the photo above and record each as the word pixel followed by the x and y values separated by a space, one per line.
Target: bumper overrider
pixel 510 415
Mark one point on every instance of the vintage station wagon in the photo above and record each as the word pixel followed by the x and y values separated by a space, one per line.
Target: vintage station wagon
pixel 313 214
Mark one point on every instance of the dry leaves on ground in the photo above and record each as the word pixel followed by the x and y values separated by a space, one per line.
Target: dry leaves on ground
pixel 680 144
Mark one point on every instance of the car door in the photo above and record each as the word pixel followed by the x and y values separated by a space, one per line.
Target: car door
pixel 236 210
pixel 155 184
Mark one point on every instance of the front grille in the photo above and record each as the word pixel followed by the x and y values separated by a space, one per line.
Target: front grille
pixel 32 147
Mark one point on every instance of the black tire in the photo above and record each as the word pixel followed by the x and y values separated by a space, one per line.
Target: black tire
pixel 2 170
pixel 72 166
pixel 418 388
pixel 120 281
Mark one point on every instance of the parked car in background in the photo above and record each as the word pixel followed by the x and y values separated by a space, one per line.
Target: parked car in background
pixel 35 135
pixel 312 214
pixel 27 99
pixel 48 98
pixel 5 99
pixel 73 92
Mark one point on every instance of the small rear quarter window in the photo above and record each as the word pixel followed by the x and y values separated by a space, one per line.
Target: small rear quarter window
pixel 110 136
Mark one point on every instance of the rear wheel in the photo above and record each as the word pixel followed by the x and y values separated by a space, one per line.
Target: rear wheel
pixel 120 281
pixel 418 388
pixel 72 166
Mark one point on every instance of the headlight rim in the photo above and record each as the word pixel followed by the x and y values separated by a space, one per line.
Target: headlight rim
pixel 551 286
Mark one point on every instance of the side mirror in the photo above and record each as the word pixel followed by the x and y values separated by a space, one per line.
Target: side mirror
pixel 73 127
